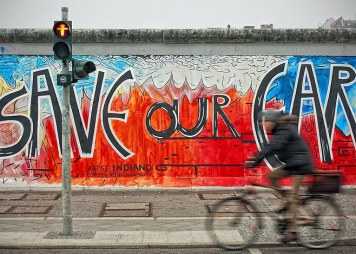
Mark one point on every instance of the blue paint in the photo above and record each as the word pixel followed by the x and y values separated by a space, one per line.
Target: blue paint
pixel 283 90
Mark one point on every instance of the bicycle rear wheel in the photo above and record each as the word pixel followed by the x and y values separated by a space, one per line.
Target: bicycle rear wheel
pixel 321 222
pixel 234 223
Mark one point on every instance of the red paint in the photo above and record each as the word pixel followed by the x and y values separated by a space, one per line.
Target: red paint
pixel 204 161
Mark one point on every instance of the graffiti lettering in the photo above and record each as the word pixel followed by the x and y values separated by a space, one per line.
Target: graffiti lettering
pixel 24 121
pixel 336 94
pixel 173 113
pixel 217 110
pixel 172 116
pixel 37 92
pixel 306 71
pixel 122 116
pixel 325 119
pixel 42 87
pixel 258 105
pixel 201 122
pixel 86 137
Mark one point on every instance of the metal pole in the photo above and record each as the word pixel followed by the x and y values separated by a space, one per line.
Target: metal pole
pixel 66 149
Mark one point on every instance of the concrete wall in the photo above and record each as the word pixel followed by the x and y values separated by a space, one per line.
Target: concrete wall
pixel 186 42
pixel 173 108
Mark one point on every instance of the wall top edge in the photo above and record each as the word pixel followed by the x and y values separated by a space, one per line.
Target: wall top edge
pixel 184 36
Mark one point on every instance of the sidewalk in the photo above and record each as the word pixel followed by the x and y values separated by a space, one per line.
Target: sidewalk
pixel 133 218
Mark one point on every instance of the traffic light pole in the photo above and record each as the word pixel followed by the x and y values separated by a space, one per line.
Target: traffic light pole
pixel 66 149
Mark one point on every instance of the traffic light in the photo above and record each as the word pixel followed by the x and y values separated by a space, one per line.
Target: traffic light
pixel 62 47
pixel 81 69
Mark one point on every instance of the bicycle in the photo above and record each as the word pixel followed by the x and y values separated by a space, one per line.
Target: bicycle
pixel 236 222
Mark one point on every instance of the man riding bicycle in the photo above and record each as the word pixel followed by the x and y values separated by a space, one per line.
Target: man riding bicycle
pixel 291 149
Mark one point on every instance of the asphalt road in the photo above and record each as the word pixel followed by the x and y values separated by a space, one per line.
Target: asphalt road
pixel 279 250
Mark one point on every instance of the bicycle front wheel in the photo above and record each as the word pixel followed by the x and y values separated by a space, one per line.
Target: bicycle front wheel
pixel 321 222
pixel 234 223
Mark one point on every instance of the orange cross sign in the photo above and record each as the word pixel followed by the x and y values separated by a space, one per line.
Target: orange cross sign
pixel 62 30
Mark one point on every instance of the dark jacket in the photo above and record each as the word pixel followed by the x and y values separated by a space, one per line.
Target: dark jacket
pixel 290 148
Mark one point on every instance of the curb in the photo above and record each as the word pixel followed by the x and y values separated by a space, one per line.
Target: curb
pixel 343 242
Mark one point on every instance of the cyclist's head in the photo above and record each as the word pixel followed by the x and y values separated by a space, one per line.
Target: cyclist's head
pixel 271 117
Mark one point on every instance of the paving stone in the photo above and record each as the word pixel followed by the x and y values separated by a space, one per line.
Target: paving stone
pixel 127 210
pixel 126 213
pixel 154 236
pixel 30 210
pixel 216 196
pixel 42 196
pixel 74 235
pixel 127 206
pixel 106 236
pixel 11 196
pixel 130 236
pixel 228 209
pixel 268 195
pixel 4 208
pixel 183 237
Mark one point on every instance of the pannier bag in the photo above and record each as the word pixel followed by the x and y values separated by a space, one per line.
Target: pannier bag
pixel 326 182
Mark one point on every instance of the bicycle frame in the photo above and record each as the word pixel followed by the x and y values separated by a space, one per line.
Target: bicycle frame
pixel 263 206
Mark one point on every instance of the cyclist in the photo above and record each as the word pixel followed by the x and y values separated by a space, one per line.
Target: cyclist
pixel 291 149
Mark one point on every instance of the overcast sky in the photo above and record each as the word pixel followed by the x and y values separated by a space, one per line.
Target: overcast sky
pixel 132 14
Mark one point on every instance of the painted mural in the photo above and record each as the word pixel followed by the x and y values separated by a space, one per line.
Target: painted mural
pixel 171 121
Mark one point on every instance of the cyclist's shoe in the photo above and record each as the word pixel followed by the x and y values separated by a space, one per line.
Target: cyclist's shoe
pixel 290 237
pixel 281 209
